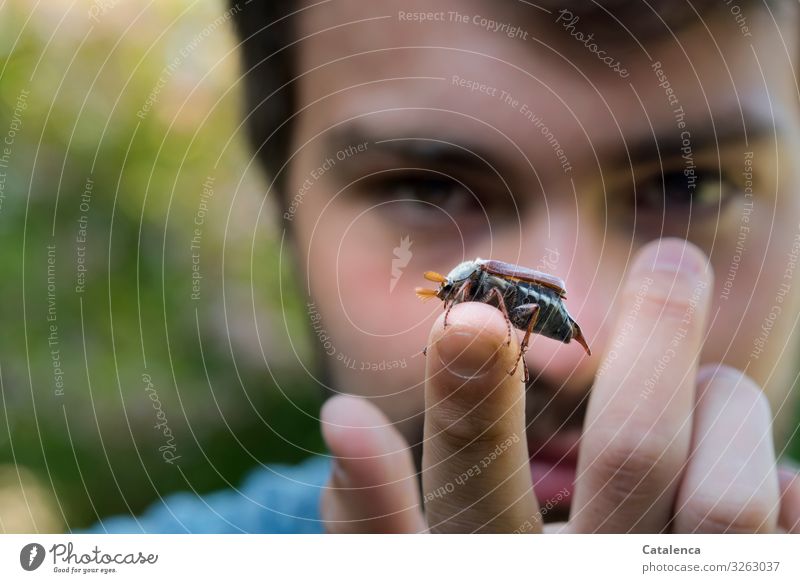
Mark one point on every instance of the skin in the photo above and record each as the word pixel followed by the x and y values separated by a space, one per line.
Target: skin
pixel 672 424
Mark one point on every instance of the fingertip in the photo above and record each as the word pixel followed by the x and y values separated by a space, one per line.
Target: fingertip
pixel 333 416
pixel 343 409
pixel 716 373
pixel 476 317
pixel 671 254
pixel 475 341
pixel 669 279
pixel 717 380
pixel 372 487
pixel 352 427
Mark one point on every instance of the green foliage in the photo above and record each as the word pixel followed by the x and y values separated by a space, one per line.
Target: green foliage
pixel 231 395
pixel 100 185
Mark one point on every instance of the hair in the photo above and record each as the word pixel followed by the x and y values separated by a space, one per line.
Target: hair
pixel 266 30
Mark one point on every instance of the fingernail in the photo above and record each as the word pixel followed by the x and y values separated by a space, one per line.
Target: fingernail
pixel 465 354
pixel 671 255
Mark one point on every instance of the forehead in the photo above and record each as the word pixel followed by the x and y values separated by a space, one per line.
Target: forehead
pixel 473 64
pixel 536 26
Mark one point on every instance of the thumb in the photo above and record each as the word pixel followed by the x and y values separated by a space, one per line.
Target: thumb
pixel 373 486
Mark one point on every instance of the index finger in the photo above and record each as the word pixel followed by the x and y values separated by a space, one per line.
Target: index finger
pixel 475 470
pixel 638 425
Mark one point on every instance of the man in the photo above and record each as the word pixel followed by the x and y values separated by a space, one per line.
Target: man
pixel 640 151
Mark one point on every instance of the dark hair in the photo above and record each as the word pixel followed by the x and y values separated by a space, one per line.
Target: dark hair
pixel 266 31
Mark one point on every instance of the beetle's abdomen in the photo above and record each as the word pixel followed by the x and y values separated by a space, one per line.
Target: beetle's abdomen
pixel 553 320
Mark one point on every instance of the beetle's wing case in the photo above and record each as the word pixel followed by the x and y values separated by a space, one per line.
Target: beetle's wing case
pixel 511 271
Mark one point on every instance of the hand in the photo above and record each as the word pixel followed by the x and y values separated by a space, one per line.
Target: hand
pixel 665 448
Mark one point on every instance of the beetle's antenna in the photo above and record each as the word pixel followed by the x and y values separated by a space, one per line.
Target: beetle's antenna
pixel 425 294
pixel 435 277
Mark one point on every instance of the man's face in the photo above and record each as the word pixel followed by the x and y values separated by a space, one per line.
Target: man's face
pixel 419 145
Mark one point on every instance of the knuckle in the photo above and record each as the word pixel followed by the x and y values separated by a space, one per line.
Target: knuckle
pixel 461 428
pixel 632 466
pixel 453 523
pixel 670 295
pixel 735 514
pixel 666 305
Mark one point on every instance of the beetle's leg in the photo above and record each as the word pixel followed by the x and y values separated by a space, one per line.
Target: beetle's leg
pixel 447 312
pixel 462 291
pixel 534 311
pixel 494 292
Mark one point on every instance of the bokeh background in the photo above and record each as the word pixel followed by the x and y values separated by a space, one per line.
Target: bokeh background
pixel 124 121
pixel 124 118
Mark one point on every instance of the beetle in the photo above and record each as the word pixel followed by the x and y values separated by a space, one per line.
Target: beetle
pixel 530 300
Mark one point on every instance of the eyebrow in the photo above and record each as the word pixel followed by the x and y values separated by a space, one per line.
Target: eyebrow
pixel 427 149
pixel 732 127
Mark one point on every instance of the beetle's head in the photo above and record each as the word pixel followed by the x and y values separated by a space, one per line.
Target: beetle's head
pixel 444 291
pixel 447 284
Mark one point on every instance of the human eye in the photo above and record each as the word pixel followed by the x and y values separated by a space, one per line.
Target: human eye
pixel 674 201
pixel 676 194
pixel 432 189
pixel 427 198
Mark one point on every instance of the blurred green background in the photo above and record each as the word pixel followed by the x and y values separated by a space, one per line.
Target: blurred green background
pixel 118 113
pixel 138 101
